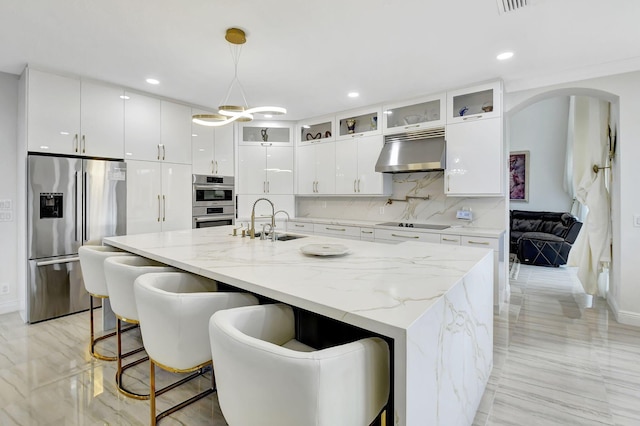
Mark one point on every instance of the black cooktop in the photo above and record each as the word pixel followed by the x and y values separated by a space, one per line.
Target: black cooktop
pixel 414 225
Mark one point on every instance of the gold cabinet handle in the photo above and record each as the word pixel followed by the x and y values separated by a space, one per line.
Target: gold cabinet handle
pixel 367 232
pixel 298 226
pixel 448 239
pixel 159 213
pixel 164 209
pixel 334 229
pixel 75 142
pixel 84 144
pixel 405 236
pixel 484 243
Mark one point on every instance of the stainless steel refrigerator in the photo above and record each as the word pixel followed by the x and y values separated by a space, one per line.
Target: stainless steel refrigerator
pixel 71 202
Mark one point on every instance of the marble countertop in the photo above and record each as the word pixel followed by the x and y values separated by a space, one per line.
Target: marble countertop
pixel 468 230
pixel 380 287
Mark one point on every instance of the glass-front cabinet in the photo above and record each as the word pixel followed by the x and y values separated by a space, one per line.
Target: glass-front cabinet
pixel 274 133
pixel 415 114
pixel 316 130
pixel 354 124
pixel 474 103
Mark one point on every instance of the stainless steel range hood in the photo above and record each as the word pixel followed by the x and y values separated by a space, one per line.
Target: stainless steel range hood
pixel 421 151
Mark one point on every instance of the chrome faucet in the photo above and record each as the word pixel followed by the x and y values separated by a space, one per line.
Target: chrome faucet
pixel 252 231
pixel 281 211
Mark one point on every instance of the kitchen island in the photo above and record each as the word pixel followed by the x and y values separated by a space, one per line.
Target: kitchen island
pixel 434 301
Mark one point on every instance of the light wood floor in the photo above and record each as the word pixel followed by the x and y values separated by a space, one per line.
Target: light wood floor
pixel 556 362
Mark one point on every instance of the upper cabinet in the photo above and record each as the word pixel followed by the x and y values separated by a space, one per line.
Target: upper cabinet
pixel 474 103
pixel 142 127
pixel 212 149
pixel 413 115
pixel 275 133
pixel 354 124
pixel 70 116
pixel 355 162
pixel 156 130
pixel 175 132
pixel 316 130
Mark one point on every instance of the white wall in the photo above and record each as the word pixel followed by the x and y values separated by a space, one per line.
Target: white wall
pixel 623 90
pixel 541 129
pixel 8 190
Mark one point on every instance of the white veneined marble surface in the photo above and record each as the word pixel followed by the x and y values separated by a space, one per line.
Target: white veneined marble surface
pixel 435 302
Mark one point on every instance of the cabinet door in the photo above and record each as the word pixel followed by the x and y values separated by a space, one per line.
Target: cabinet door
pixel 346 167
pixel 325 166
pixel 474 103
pixel 53 108
pixel 279 170
pixel 102 120
pixel 474 158
pixel 414 115
pixel 202 147
pixel 144 197
pixel 176 196
pixel 223 152
pixel 141 127
pixel 175 133
pixel 252 176
pixel 306 170
pixel 369 181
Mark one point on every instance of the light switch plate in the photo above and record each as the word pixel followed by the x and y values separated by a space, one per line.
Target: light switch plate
pixel 636 220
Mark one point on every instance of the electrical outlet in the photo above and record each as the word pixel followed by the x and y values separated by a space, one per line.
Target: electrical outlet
pixel 382 210
pixel 4 289
pixel 636 220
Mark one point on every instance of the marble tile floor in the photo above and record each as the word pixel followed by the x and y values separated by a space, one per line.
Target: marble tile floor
pixel 556 362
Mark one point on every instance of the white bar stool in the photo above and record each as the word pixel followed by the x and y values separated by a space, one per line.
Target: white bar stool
pixel 120 274
pixel 266 377
pixel 174 310
pixel 92 265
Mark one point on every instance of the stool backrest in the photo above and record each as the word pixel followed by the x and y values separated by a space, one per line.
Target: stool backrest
pixel 92 265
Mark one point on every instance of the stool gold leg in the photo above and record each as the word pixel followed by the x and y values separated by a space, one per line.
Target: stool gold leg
pixel 152 392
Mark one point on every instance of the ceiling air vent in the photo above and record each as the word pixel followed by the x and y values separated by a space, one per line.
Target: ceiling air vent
pixel 505 6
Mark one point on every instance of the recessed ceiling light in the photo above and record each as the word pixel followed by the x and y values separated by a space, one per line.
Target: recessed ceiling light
pixel 268 116
pixel 152 81
pixel 306 126
pixel 125 97
pixel 388 112
pixel 504 55
pixel 353 94
pixel 194 135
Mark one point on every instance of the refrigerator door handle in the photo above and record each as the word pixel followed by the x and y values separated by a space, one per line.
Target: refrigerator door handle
pixel 58 261
pixel 75 207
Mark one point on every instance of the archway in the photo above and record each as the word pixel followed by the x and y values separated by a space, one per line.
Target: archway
pixel 535 98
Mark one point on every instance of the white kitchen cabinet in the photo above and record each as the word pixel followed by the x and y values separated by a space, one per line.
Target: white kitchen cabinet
pixel 265 169
pixel 498 260
pixel 70 116
pixel 212 149
pixel 416 114
pixel 175 132
pixel 367 234
pixel 339 231
pixel 474 103
pixel 475 165
pixel 158 196
pixel 316 169
pixel 316 130
pixel 355 161
pixel 394 235
pixel 453 240
pixel 142 119
pixel 277 133
pixel 300 227
pixel 358 123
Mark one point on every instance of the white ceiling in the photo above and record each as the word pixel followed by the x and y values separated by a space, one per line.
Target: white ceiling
pixel 306 55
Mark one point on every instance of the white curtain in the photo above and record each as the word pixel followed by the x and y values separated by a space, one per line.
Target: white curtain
pixel 591 251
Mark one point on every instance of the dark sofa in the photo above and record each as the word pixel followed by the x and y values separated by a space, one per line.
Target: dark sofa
pixel 542 238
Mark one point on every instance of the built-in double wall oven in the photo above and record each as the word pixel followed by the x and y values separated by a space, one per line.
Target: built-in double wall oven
pixel 214 201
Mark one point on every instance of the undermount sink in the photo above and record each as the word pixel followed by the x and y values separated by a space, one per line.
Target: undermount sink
pixel 282 237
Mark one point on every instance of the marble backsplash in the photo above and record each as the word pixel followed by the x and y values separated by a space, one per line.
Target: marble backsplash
pixel 438 209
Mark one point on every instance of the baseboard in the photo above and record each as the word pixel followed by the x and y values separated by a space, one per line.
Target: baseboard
pixel 623 317
pixel 9 306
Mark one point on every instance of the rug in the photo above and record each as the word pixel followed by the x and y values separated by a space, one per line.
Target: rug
pixel 514 267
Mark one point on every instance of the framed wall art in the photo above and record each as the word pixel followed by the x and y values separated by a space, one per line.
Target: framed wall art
pixel 519 176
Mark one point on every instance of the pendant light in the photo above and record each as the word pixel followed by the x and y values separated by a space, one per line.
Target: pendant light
pixel 228 113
